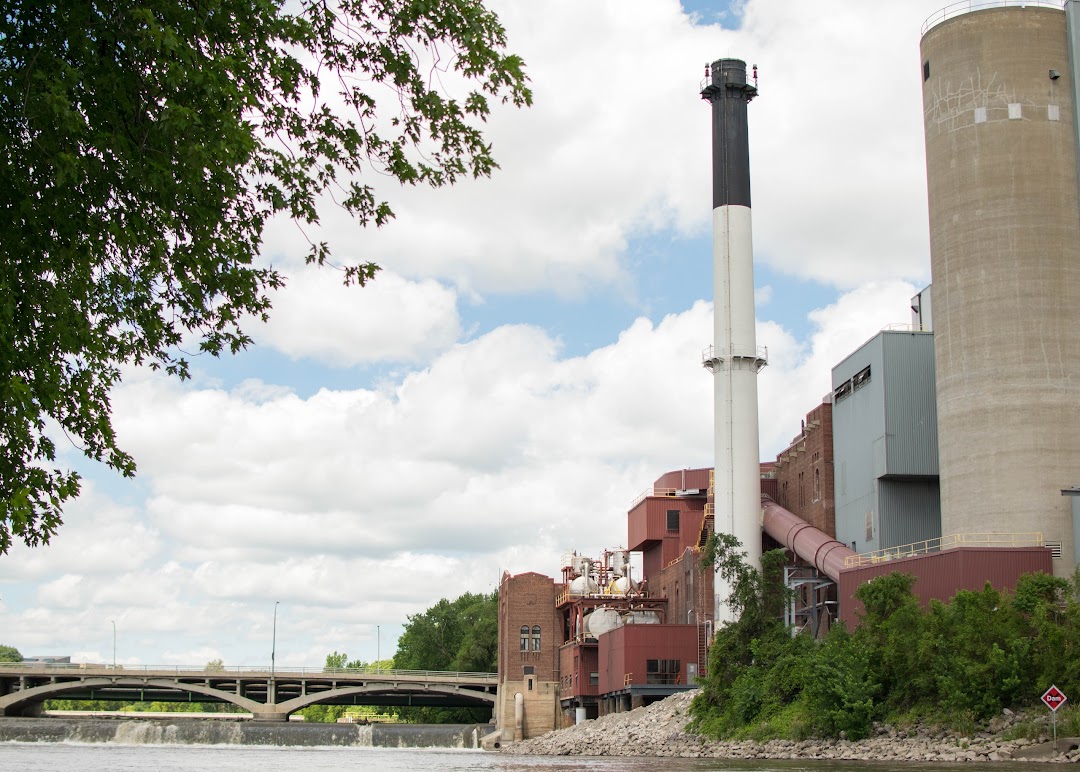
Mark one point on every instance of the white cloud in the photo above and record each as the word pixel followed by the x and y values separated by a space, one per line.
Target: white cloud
pixel 617 145
pixel 390 319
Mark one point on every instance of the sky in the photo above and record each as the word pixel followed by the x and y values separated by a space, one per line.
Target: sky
pixel 528 360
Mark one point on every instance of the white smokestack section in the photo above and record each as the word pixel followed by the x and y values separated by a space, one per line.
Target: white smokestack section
pixel 734 359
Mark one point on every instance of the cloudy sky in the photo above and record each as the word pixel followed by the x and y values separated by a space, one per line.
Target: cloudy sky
pixel 527 362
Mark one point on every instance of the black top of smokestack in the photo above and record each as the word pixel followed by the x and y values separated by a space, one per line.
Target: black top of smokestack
pixel 728 92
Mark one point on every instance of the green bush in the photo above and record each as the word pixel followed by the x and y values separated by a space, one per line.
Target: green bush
pixel 958 663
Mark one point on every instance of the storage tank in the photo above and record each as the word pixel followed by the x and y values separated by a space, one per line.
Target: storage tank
pixel 622 586
pixel 601 620
pixel 583 585
pixel 1005 260
pixel 619 561
pixel 641 618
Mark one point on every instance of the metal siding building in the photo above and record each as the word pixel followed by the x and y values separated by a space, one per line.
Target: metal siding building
pixel 884 442
pixel 939 575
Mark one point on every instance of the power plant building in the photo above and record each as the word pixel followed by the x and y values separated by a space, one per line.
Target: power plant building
pixel 885 443
pixel 949 449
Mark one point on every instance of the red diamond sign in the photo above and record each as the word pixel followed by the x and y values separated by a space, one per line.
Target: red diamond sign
pixel 1054 698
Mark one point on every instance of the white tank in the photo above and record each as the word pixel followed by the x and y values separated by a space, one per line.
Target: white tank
pixel 583 585
pixel 641 618
pixel 622 586
pixel 619 561
pixel 601 620
pixel 581 564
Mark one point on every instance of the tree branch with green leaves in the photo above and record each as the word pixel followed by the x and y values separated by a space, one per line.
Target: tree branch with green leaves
pixel 146 146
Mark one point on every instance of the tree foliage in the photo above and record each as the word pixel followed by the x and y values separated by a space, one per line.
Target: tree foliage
pixel 955 662
pixel 146 145
pixel 10 654
pixel 459 635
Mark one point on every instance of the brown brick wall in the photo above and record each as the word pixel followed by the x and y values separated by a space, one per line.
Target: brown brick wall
pixel 804 472
pixel 529 599
pixel 688 587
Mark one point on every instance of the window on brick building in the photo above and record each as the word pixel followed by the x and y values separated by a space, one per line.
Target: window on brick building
pixel 524 637
pixel 536 638
pixel 817 484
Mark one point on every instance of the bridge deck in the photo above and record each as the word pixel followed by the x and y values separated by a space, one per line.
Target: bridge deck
pixel 267 694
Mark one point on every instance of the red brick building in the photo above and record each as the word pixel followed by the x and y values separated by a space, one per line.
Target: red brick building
pixel 804 472
pixel 530 634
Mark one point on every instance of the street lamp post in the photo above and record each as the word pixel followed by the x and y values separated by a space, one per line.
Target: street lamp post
pixel 273 654
pixel 113 644
pixel 378 648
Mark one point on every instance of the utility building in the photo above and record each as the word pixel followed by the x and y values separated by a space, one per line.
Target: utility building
pixel 885 443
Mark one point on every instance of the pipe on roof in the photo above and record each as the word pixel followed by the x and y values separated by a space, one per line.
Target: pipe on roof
pixel 811 544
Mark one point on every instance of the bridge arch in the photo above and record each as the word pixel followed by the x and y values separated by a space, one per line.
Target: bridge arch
pixel 481 699
pixel 12 703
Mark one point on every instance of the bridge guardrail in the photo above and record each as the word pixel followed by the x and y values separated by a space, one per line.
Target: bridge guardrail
pixel 234 670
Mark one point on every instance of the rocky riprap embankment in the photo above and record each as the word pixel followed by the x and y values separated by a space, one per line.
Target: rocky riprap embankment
pixel 658 730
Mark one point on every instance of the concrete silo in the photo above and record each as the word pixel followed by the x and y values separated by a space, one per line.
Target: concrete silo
pixel 1005 258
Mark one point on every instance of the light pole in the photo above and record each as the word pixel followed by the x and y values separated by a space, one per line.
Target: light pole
pixel 378 648
pixel 273 643
pixel 113 644
pixel 273 655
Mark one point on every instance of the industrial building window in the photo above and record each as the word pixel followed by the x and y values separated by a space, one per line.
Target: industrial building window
pixel 536 638
pixel 661 671
pixel 861 378
pixel 524 637
pixel 817 484
pixel 594 679
pixel 843 390
pixel 528 670
pixel 673 520
pixel 926 70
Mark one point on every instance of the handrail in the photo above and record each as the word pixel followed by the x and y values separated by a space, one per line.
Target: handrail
pixel 226 671
pixel 656 492
pixel 1032 539
pixel 964 6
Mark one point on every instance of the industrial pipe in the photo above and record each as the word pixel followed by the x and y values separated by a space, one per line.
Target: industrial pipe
pixel 811 544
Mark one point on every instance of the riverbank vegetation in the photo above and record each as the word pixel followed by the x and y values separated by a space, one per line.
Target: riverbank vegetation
pixel 955 664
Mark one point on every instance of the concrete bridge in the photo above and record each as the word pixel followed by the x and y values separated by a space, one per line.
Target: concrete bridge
pixel 268 696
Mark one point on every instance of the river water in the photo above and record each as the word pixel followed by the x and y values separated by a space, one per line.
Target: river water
pixel 118 757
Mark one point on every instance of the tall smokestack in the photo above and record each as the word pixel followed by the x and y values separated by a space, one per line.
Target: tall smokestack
pixel 734 359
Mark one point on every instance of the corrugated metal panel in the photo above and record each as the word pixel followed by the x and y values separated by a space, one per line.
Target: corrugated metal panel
pixel 625 650
pixel 858 420
pixel 647 524
pixel 909 511
pixel 684 479
pixel 910 403
pixel 939 575
pixel 770 488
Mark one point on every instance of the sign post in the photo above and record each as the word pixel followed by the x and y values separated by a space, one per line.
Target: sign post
pixel 1054 698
